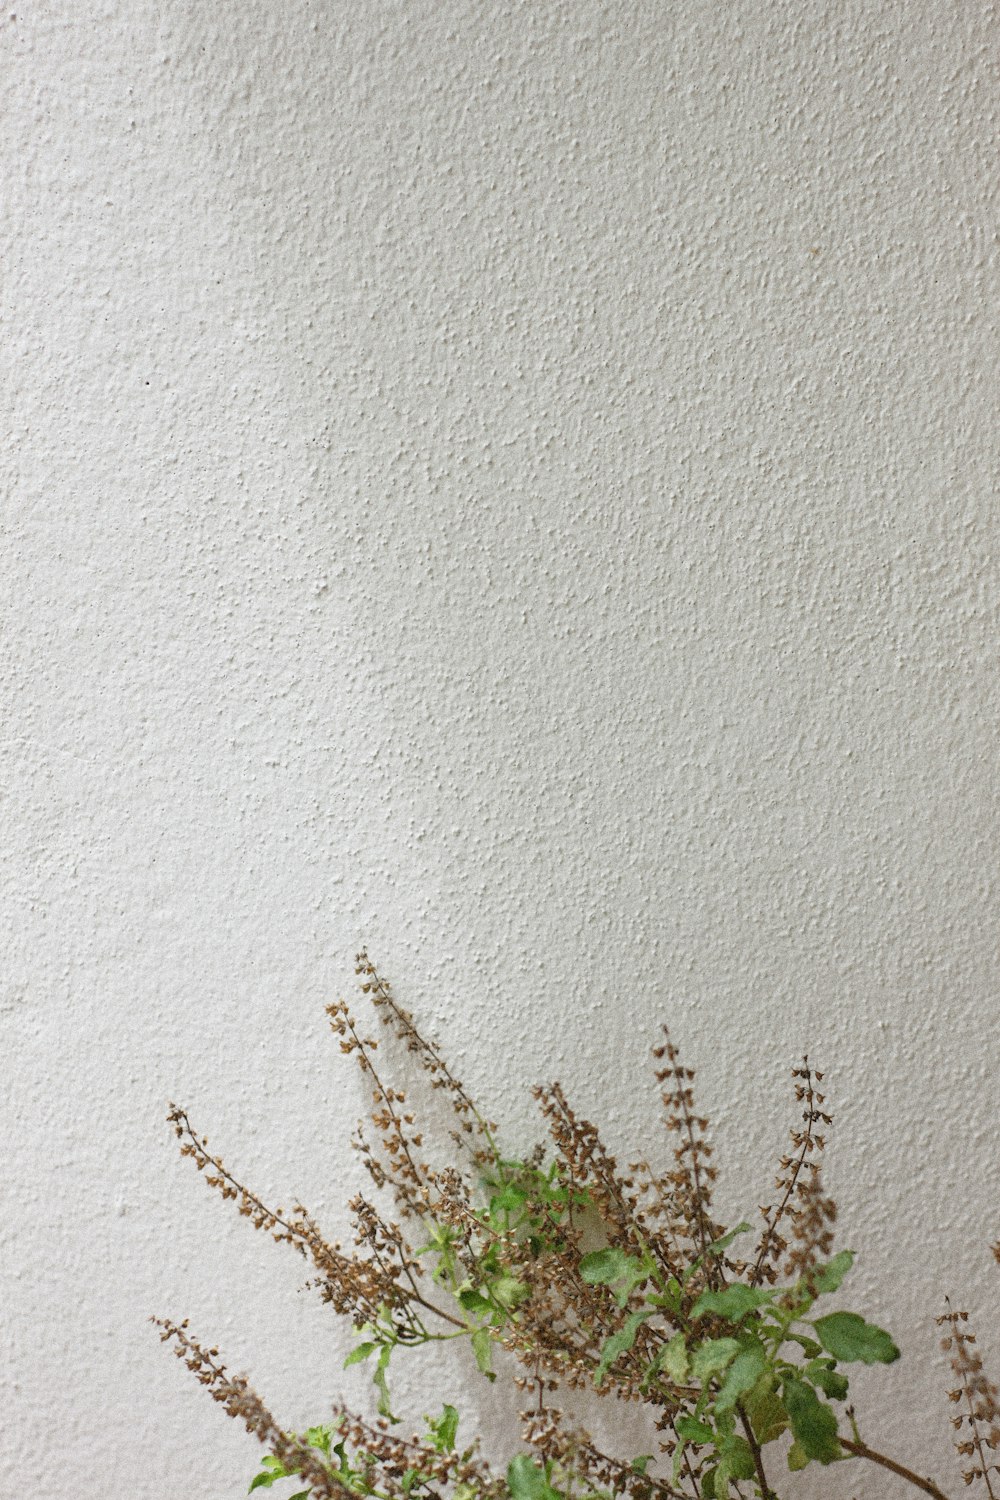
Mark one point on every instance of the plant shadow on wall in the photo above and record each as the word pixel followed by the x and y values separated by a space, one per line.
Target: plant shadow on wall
pixel 565 1272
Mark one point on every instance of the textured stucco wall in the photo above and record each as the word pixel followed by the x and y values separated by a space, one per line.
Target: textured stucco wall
pixel 514 484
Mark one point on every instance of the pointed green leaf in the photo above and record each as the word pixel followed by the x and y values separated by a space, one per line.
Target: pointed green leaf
pixel 509 1292
pixel 848 1337
pixel 357 1355
pixel 320 1437
pixel 615 1269
pixel 742 1375
pixel 526 1481
pixel 828 1277
pixel 381 1383
pixel 798 1458
pixel 724 1242
pixel 602 1267
pixel 829 1381
pixel 765 1412
pixel 693 1431
pixel 737 1459
pixel 620 1343
pixel 670 1297
pixel 733 1302
pixel 673 1359
pixel 711 1357
pixel 482 1348
pixel 814 1425
pixel 263 1481
pixel 442 1429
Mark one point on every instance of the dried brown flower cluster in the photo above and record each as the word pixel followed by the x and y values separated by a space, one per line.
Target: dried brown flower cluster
pixel 585 1275
pixel 236 1397
pixel 978 1421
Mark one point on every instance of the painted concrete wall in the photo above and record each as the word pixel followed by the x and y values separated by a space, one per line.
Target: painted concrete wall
pixel 513 484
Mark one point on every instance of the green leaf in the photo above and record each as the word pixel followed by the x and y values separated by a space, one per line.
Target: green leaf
pixel 616 1269
pixel 320 1437
pixel 715 1248
pixel 379 1381
pixel 693 1431
pixel 708 1485
pixel 509 1199
pixel 711 1357
pixel 830 1381
pixel 605 1266
pixel 509 1292
pixel 736 1458
pixel 670 1297
pixel 526 1481
pixel 798 1458
pixel 847 1336
pixel 828 1277
pixel 357 1355
pixel 673 1359
pixel 813 1424
pixel 263 1481
pixel 473 1301
pixel 301 1495
pixel 443 1429
pixel 742 1375
pixel 642 1463
pixel 482 1348
pixel 809 1347
pixel 724 1242
pixel 620 1343
pixel 732 1303
pixel 765 1413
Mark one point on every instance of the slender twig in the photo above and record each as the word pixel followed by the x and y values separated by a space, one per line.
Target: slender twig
pixel 862 1450
pixel 758 1461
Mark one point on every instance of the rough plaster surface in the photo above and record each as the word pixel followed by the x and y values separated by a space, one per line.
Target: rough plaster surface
pixel 514 484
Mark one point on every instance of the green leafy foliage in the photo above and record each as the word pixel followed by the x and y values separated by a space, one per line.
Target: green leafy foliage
pixel 560 1269
pixel 827 1278
pixel 273 1468
pixel 443 1430
pixel 623 1273
pixel 848 1337
pixel 619 1343
pixel 712 1357
pixel 527 1480
pixel 742 1375
pixel 733 1302
pixel 813 1423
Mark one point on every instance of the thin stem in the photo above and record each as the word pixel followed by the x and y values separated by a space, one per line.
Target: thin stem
pixel 862 1450
pixel 686 1457
pixel 758 1461
pixel 439 1312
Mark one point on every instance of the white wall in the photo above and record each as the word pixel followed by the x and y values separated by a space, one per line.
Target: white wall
pixel 512 484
